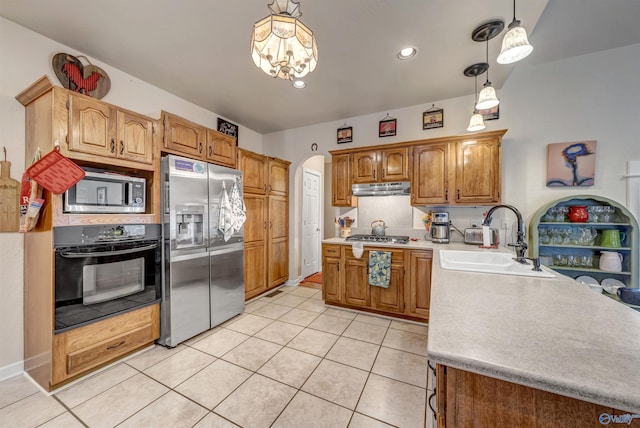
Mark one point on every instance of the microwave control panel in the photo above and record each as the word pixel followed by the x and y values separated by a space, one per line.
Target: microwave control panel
pixel 137 194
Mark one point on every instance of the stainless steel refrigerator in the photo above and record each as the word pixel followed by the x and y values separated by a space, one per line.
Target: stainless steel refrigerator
pixel 203 247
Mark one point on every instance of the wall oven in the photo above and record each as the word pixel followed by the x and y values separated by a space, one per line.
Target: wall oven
pixel 104 270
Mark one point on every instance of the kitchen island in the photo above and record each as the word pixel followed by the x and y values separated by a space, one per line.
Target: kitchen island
pixel 540 334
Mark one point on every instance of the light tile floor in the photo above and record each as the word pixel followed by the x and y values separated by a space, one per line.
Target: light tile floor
pixel 287 361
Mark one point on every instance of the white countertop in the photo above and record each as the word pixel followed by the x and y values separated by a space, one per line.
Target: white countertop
pixel 551 334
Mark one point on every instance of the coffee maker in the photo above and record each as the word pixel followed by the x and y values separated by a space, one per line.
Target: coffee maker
pixel 440 231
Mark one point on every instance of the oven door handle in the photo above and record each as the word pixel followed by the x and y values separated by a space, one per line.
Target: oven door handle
pixel 108 253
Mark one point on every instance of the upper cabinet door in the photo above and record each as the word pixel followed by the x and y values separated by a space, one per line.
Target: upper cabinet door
pixel 184 136
pixel 478 170
pixel 395 164
pixel 341 181
pixel 135 137
pixel 92 125
pixel 365 167
pixel 430 175
pixel 254 172
pixel 278 177
pixel 221 148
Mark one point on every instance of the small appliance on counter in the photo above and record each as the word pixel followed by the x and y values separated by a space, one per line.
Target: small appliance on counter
pixel 473 236
pixel 440 231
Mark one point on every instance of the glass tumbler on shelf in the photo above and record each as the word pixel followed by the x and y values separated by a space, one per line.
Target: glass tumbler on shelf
pixel 607 214
pixel 586 261
pixel 559 259
pixel 550 215
pixel 545 236
pixel 561 213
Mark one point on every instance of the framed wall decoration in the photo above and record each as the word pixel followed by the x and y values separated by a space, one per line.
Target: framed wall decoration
pixel 228 128
pixel 387 127
pixel 433 118
pixel 492 113
pixel 571 164
pixel 345 134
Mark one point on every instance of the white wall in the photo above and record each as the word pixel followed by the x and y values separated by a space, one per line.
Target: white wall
pixel 583 98
pixel 26 56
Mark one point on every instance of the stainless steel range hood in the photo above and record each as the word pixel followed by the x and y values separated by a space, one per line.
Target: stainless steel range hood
pixel 381 189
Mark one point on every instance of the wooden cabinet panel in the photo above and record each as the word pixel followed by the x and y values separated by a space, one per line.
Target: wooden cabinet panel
pixel 356 280
pixel 255 227
pixel 365 167
pixel 221 148
pixel 395 164
pixel 254 170
pixel 420 264
pixel 390 299
pixel 255 269
pixel 331 279
pixel 183 136
pixel 278 215
pixel 330 250
pixel 278 177
pixel 278 261
pixel 135 137
pixel 468 399
pixel 478 170
pixel 93 126
pixel 341 181
pixel 84 348
pixel 430 183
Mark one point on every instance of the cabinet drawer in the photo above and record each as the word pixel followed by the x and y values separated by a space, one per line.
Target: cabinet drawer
pixel 397 256
pixel 107 350
pixel 79 350
pixel 331 251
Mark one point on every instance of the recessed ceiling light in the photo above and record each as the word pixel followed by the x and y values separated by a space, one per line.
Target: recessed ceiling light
pixel 407 53
pixel 299 84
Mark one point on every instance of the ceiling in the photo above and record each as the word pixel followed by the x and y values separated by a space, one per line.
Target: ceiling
pixel 199 49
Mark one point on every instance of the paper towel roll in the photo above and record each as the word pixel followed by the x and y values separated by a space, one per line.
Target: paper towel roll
pixel 486 236
pixel 357 248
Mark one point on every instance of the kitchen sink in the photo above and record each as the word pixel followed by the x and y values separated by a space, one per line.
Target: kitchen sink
pixel 488 262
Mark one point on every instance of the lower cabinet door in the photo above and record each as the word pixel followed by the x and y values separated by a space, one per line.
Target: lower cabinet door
pixel 390 299
pixel 356 280
pixel 331 284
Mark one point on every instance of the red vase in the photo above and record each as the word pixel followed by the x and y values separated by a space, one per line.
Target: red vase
pixel 578 214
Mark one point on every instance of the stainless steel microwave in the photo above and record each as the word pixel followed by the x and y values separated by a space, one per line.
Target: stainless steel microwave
pixel 106 192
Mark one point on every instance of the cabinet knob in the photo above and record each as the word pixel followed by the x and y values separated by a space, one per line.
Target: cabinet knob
pixel 446 194
pixel 200 147
pixel 210 150
pixel 121 147
pixel 113 145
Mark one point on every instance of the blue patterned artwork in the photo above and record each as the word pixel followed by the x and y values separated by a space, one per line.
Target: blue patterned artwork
pixel 571 164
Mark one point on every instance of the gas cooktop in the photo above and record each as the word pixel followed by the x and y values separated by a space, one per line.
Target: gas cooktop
pixel 375 238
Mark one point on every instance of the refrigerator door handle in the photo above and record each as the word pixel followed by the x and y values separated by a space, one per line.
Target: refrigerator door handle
pixel 189 257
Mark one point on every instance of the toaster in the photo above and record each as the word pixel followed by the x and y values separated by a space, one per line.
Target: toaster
pixel 473 236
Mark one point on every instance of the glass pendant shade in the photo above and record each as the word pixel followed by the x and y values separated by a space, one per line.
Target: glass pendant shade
pixel 476 123
pixel 281 45
pixel 515 45
pixel 487 98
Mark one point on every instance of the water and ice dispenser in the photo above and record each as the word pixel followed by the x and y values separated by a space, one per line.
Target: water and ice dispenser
pixel 190 227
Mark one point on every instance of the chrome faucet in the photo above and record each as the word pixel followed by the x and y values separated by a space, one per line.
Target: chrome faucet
pixel 520 246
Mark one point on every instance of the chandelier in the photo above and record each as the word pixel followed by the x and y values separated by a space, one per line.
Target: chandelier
pixel 281 45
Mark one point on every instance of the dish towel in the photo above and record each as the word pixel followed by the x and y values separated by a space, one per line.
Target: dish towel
pixel 225 224
pixel 238 209
pixel 379 268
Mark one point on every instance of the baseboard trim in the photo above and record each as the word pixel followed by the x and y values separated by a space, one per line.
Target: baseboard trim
pixel 11 370
pixel 294 282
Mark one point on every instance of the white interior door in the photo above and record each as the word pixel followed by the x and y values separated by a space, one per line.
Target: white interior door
pixel 310 222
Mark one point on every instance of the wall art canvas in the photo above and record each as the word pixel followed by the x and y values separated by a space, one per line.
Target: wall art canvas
pixel 571 164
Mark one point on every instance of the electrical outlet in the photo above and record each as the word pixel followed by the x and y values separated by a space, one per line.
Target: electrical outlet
pixel 505 225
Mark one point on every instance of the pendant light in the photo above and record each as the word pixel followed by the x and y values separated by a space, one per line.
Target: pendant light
pixel 485 32
pixel 515 45
pixel 477 122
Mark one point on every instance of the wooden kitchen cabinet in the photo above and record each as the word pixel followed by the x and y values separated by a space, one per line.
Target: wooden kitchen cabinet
pixel 255 245
pixel 419 283
pixel 100 129
pixel 221 148
pixel 478 170
pixel 381 165
pixel 79 350
pixel 341 182
pixel 266 190
pixel 466 399
pixel 254 172
pixel 346 281
pixel 332 290
pixel 183 136
pixel 430 181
